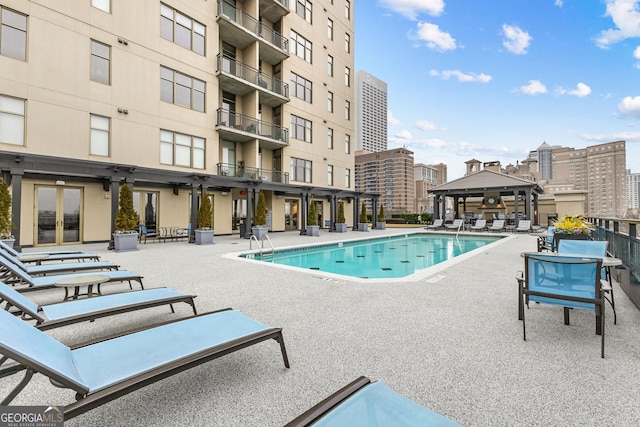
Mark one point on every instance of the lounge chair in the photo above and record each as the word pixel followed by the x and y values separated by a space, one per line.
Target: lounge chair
pixel 366 403
pixel 570 282
pixel 524 226
pixel 50 256
pixel 498 225
pixel 63 267
pixel 67 313
pixel 112 367
pixel 437 224
pixel 481 224
pixel 457 225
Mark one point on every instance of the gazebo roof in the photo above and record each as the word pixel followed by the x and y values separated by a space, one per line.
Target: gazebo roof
pixel 486 180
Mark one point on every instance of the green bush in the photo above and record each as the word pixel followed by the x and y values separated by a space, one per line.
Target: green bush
pixel 127 217
pixel 205 213
pixel 261 211
pixel 341 219
pixel 412 218
pixel 381 217
pixel 5 211
pixel 312 217
pixel 364 219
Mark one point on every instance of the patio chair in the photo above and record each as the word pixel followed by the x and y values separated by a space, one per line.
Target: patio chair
pixel 366 403
pixel 545 242
pixel 524 226
pixel 102 371
pixel 437 224
pixel 497 225
pixel 51 256
pixel 45 269
pixel 145 233
pixel 66 313
pixel 571 282
pixel 457 225
pixel 481 224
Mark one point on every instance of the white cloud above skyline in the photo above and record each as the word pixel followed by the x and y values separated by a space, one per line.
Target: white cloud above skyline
pixel 427 125
pixel 516 40
pixel 433 37
pixel 535 87
pixel 580 91
pixel 412 8
pixel 630 107
pixel 626 17
pixel 391 119
pixel 462 77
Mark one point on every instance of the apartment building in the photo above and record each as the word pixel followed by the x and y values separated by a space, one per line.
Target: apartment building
pixel 371 113
pixel 426 177
pixel 390 174
pixel 178 99
pixel 633 190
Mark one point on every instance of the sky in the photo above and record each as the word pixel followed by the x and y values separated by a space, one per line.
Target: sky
pixel 494 79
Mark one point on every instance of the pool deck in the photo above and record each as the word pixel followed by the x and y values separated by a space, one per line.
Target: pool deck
pixel 450 341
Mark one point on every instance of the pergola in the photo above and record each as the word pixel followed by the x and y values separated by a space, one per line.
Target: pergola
pixel 491 187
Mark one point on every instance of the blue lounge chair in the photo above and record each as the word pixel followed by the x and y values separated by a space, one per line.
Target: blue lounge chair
pixel 365 403
pixel 67 313
pixel 110 368
pixel 567 281
pixel 51 256
pixel 57 268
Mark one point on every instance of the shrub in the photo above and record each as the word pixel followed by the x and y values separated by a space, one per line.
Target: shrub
pixel 312 218
pixel 5 211
pixel 127 217
pixel 363 214
pixel 381 217
pixel 261 211
pixel 341 219
pixel 205 213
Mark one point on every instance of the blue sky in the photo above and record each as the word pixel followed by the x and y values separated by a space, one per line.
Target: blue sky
pixel 494 79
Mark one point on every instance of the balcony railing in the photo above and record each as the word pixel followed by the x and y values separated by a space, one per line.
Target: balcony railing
pixel 247 128
pixel 274 10
pixel 235 68
pixel 239 171
pixel 252 25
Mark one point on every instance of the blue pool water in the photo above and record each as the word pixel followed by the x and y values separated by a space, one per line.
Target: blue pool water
pixel 390 257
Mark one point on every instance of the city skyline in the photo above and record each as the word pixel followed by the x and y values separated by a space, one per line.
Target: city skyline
pixel 494 80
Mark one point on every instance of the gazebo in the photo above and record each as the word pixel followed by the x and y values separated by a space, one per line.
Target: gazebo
pixel 491 187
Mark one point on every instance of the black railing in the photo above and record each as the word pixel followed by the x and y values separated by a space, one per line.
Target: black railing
pixel 251 75
pixel 248 124
pixel 253 25
pixel 240 171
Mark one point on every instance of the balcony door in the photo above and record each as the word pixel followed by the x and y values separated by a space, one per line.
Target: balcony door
pixel 59 215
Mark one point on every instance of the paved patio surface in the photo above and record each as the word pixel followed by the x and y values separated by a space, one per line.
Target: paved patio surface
pixel 454 344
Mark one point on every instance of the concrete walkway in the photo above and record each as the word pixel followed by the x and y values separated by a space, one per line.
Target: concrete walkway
pixel 454 345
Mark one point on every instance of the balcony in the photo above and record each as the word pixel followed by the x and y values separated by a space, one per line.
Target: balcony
pixel 274 10
pixel 240 30
pixel 240 79
pixel 240 128
pixel 239 171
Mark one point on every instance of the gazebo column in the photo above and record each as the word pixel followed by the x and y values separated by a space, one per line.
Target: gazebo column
pixel 536 221
pixel 374 215
pixel 516 208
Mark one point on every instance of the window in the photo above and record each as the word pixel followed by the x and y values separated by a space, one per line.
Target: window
pixel 347 9
pixel 301 87
pixel 347 43
pixel 300 170
pixel 330 102
pixel 303 9
pixel 330 175
pixel 347 178
pixel 13 34
pixel 104 5
pixel 12 120
pixel 330 65
pixel 100 62
pixel 181 89
pixel 330 29
pixel 300 128
pixel 181 29
pixel 100 128
pixel 181 150
pixel 347 110
pixel 347 76
pixel 347 144
pixel 300 46
pixel 330 138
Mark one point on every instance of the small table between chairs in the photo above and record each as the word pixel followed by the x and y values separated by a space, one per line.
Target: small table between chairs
pixel 88 280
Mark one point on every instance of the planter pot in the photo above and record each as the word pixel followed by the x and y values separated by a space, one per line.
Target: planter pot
pixel 204 237
pixel 9 242
pixel 363 226
pixel 381 225
pixel 313 230
pixel 259 232
pixel 560 236
pixel 125 242
pixel 341 228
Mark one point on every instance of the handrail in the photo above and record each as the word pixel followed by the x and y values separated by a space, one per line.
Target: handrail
pixel 266 236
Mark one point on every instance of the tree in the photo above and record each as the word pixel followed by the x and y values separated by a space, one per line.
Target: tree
pixel 312 218
pixel 381 217
pixel 205 213
pixel 127 217
pixel 341 219
pixel 5 211
pixel 363 214
pixel 261 211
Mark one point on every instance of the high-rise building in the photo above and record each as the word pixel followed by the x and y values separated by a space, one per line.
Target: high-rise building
pixel 371 113
pixel 390 174
pixel 633 190
pixel 427 177
pixel 176 98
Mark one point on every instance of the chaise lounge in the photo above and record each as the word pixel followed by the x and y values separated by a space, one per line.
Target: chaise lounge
pixel 50 256
pixel 437 224
pixel 58 267
pixel 102 371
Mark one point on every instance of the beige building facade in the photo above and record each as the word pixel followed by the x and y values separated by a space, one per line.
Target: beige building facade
pixel 176 98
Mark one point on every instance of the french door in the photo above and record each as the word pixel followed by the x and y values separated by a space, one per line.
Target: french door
pixel 59 215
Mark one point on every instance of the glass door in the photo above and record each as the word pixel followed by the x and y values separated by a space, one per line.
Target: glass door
pixel 58 213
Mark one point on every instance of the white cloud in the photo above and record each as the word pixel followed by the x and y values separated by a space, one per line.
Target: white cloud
pixel 608 137
pixel 516 40
pixel 626 17
pixel 412 8
pixel 636 54
pixel 534 87
pixel 404 134
pixel 427 125
pixel 580 91
pixel 391 119
pixel 630 107
pixel 462 77
pixel 558 3
pixel 434 37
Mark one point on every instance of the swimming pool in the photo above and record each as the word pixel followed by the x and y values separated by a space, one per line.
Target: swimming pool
pixel 389 257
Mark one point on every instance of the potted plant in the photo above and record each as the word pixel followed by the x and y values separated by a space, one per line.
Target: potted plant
pixel 126 237
pixel 573 227
pixel 313 229
pixel 341 222
pixel 5 215
pixel 363 223
pixel 204 232
pixel 260 228
pixel 381 222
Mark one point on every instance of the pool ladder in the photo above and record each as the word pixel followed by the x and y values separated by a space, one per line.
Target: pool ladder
pixel 261 243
